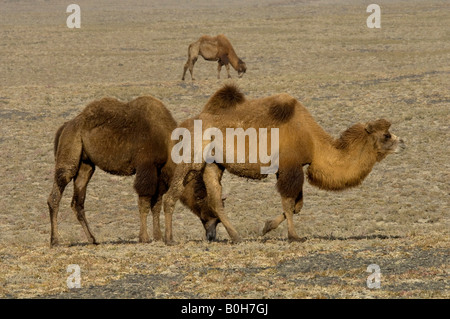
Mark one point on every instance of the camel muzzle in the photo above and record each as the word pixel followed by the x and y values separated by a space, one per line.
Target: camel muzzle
pixel 401 146
pixel 210 228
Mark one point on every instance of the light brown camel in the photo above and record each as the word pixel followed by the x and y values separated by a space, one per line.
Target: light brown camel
pixel 332 164
pixel 122 139
pixel 218 49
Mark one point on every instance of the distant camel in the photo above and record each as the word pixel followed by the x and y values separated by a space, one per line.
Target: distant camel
pixel 218 49
pixel 122 139
pixel 332 164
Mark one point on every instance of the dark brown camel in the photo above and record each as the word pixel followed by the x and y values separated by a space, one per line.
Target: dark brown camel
pixel 122 139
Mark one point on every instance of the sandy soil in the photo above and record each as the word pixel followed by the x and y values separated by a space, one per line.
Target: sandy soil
pixel 320 52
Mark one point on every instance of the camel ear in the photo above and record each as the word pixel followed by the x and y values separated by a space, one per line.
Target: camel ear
pixel 369 128
pixel 378 125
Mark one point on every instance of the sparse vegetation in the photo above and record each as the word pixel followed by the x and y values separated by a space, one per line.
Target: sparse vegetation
pixel 321 53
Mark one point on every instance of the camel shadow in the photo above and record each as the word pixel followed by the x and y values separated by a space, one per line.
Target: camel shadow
pixel 246 240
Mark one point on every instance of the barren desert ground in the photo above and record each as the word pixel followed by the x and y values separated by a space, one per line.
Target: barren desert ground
pixel 322 53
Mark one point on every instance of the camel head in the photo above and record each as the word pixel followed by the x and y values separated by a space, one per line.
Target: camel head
pixel 209 219
pixel 195 197
pixel 242 68
pixel 385 143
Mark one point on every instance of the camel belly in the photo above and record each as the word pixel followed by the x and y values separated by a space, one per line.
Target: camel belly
pixel 252 171
pixel 113 155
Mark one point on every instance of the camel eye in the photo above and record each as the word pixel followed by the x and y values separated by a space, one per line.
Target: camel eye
pixel 387 136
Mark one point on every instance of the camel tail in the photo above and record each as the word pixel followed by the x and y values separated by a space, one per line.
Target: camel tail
pixel 57 136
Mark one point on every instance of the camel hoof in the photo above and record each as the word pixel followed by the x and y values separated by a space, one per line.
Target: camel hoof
pixel 171 242
pixel 54 242
pixel 297 239
pixel 268 227
pixel 236 240
pixel 92 241
pixel 144 239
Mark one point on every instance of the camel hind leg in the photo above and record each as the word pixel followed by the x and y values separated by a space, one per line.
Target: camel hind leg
pixel 80 182
pixel 145 184
pixel 68 148
pixel 193 52
pixel 146 204
pixel 53 205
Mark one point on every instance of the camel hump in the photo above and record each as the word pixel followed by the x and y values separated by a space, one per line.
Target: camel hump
pixel 226 98
pixel 282 107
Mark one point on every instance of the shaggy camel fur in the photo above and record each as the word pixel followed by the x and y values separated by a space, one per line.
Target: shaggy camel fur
pixel 121 139
pixel 332 164
pixel 218 49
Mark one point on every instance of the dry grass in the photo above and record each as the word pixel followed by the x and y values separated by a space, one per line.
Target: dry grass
pixel 320 52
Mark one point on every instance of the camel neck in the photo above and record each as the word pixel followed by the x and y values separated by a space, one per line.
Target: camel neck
pixel 338 163
pixel 234 60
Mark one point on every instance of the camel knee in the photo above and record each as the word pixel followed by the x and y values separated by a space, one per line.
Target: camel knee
pixel 63 176
pixel 53 201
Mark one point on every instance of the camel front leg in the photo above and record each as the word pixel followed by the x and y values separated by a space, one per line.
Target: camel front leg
pixel 144 208
pixel 171 197
pixel 275 222
pixel 289 210
pixel 211 177
pixel 79 195
pixel 219 68
pixel 227 66
pixel 156 211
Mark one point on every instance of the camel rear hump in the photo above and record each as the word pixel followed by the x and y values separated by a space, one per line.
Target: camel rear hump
pixel 282 108
pixel 225 99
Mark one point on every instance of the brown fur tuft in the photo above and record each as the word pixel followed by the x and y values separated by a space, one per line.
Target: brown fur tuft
pixel 282 110
pixel 378 125
pixel 227 97
pixel 290 182
pixel 352 135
